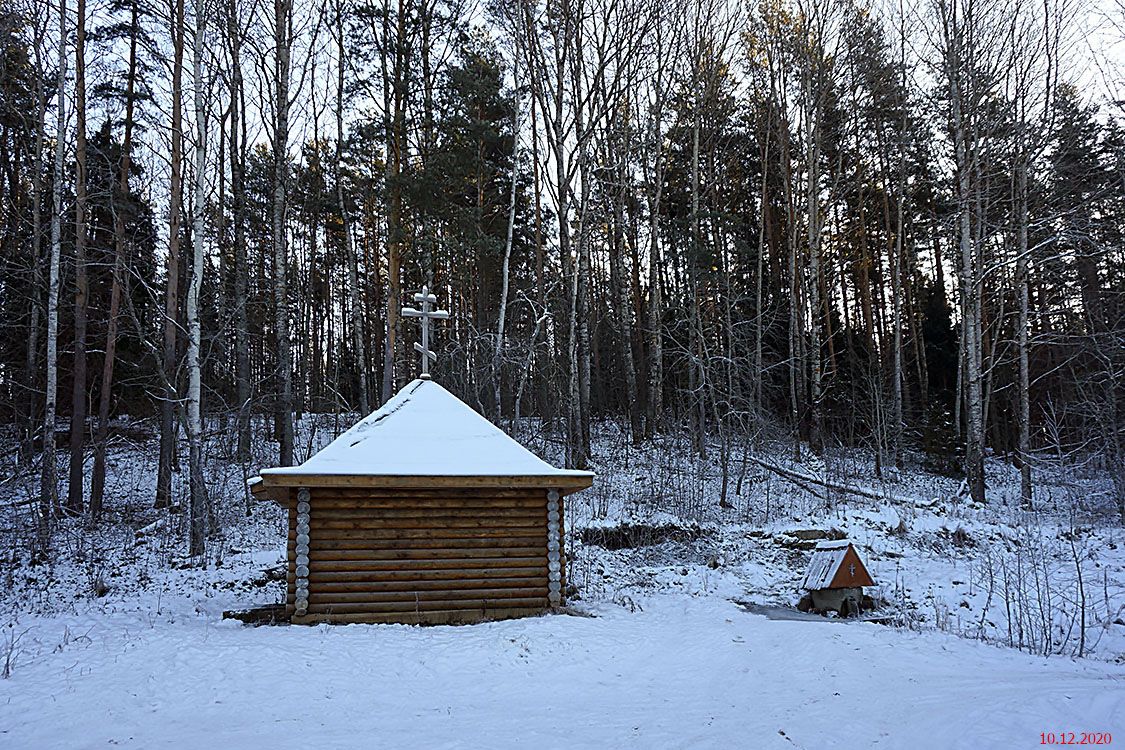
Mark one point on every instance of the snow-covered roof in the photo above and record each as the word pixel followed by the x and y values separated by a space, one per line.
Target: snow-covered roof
pixel 424 430
pixel 825 563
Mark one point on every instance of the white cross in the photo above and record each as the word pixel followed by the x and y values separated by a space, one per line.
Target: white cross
pixel 851 569
pixel 426 314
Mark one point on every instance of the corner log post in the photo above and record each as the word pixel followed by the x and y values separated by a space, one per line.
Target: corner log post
pixel 554 551
pixel 301 603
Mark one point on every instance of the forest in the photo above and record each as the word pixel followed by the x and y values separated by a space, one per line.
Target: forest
pixel 819 224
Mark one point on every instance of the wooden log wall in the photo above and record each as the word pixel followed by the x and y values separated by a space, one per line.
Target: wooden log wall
pixel 423 555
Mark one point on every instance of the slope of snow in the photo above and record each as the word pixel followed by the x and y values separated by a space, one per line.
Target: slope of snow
pixel 1047 582
pixel 424 430
pixel 677 671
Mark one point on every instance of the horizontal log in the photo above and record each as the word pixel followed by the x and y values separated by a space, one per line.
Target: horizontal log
pixel 429 506
pixel 435 617
pixel 358 565
pixel 317 543
pixel 421 538
pixel 434 583
pixel 410 596
pixel 320 494
pixel 467 526
pixel 425 554
pixel 440 545
pixel 375 530
pixel 429 514
pixel 406 576
pixel 406 607
pixel 466 522
pixel 317 596
pixel 423 522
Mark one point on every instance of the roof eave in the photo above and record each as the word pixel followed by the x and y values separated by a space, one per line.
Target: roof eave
pixel 565 483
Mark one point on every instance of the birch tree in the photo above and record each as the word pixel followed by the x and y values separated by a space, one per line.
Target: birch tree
pixel 48 494
pixel 197 487
pixel 817 73
pixel 969 50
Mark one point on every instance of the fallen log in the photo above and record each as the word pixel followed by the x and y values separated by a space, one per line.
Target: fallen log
pixel 804 480
pixel 147 530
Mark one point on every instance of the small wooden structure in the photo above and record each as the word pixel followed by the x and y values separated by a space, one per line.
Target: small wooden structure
pixel 836 578
pixel 423 512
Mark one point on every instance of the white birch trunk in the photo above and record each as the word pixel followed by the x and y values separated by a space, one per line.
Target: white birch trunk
pixel 49 491
pixel 498 355
pixel 970 288
pixel 198 503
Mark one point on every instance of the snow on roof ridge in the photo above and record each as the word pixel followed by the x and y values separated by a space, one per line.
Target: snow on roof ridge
pixel 368 422
pixel 833 544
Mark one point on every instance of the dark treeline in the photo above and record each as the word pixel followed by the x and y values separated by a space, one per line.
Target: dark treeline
pixel 821 223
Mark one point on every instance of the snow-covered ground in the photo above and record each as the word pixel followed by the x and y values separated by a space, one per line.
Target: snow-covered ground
pixel 678 671
pixel 118 641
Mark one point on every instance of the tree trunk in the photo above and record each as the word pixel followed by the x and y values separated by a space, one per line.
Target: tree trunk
pixel 168 424
pixel 581 308
pixel 356 311
pixel 31 367
pixel 970 286
pixel 396 135
pixel 498 355
pixel 75 488
pixel 622 292
pixel 48 490
pixel 812 207
pixel 1021 335
pixel 197 524
pixel 757 412
pixel 241 269
pixel 282 39
pixel 697 377
pixel 655 415
pixel 896 294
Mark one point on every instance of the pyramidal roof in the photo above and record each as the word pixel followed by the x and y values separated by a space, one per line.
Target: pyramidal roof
pixel 424 430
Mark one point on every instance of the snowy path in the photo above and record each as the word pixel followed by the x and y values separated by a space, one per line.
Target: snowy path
pixel 685 672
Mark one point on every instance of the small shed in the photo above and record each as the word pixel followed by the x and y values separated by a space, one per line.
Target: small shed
pixel 836 578
pixel 423 512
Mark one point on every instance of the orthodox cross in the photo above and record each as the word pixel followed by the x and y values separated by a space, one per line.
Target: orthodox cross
pixel 851 569
pixel 426 314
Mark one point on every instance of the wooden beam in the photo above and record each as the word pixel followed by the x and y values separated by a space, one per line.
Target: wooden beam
pixel 564 483
pixel 447 617
pixel 434 605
